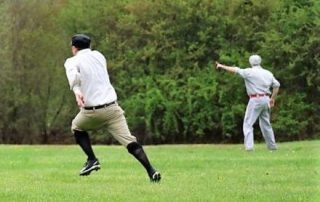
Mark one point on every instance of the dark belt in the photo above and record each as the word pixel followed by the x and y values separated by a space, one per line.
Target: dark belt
pixel 100 106
pixel 258 95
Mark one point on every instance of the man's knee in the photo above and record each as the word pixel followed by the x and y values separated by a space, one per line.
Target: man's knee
pixel 133 146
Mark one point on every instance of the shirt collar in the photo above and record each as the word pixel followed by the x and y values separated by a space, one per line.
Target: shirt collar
pixel 256 66
pixel 83 51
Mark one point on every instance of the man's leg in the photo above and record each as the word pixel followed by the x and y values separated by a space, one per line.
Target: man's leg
pixel 82 138
pixel 137 151
pixel 118 127
pixel 266 129
pixel 251 115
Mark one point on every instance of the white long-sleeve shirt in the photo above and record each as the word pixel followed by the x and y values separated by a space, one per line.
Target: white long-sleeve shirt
pixel 258 80
pixel 87 74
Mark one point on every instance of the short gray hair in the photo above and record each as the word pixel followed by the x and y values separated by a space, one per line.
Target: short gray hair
pixel 255 60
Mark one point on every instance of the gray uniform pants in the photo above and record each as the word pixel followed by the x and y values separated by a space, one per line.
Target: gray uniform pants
pixel 258 107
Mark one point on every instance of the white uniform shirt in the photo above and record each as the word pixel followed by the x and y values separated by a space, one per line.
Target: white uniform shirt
pixel 258 80
pixel 87 73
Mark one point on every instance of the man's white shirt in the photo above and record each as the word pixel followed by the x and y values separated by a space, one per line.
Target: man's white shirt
pixel 87 74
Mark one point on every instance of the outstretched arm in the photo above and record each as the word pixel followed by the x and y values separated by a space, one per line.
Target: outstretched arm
pixel 225 67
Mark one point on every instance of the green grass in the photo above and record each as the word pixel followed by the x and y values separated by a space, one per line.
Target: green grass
pixel 190 173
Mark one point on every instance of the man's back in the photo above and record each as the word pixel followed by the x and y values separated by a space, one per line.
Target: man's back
pixel 95 84
pixel 258 80
pixel 258 83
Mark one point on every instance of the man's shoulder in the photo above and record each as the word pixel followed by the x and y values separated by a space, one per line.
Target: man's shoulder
pixel 96 51
pixel 267 71
pixel 70 61
pixel 247 69
pixel 243 72
pixel 98 54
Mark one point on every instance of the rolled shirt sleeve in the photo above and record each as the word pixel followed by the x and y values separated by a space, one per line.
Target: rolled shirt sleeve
pixel 73 75
pixel 242 72
pixel 275 83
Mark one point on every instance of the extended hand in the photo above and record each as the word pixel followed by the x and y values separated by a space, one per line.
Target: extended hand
pixel 218 65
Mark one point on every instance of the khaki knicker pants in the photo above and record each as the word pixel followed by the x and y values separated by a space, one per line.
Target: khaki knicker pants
pixel 111 116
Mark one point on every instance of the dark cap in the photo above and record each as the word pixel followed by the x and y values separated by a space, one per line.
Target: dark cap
pixel 81 41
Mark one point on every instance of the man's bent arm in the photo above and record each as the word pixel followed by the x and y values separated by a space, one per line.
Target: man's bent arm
pixel 275 91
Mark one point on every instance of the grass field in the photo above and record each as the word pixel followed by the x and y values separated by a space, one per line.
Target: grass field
pixel 190 173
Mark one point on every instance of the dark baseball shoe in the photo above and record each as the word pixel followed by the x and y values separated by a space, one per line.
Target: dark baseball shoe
pixel 155 176
pixel 272 148
pixel 89 166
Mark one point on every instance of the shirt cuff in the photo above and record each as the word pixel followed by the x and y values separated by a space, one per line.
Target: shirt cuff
pixel 236 70
pixel 76 90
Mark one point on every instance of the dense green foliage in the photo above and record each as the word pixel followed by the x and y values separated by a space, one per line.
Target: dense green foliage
pixel 190 173
pixel 161 56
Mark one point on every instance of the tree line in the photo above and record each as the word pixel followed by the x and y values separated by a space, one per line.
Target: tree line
pixel 161 60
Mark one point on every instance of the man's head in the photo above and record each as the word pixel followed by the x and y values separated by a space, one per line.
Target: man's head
pixel 79 42
pixel 255 60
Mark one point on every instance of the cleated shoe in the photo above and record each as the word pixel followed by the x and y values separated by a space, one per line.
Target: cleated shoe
pixel 155 177
pixel 89 166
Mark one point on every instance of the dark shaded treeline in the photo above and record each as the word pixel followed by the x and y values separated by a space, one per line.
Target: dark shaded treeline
pixel 161 61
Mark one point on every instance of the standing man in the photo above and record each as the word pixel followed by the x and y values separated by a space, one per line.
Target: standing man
pixel 88 78
pixel 258 82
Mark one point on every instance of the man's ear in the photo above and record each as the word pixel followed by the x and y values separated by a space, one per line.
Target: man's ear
pixel 74 50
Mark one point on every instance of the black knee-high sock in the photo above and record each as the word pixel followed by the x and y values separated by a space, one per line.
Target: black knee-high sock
pixel 82 138
pixel 137 151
